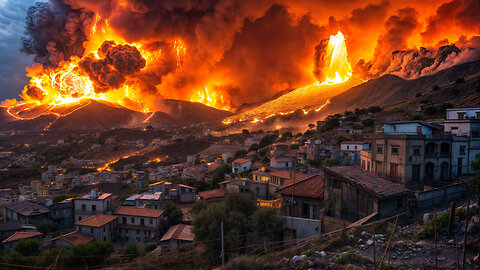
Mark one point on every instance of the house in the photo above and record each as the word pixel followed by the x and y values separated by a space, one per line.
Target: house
pixel 149 200
pixel 91 204
pixel 281 157
pixel 157 187
pixel 139 224
pixel 71 239
pixel 418 154
pixel 307 195
pixel 183 193
pixel 241 165
pixel 141 180
pixel 10 242
pixel 277 178
pixel 463 122
pixel 101 227
pixel 62 213
pixel 9 228
pixel 25 212
pixel 353 194
pixel 213 195
pixel 178 237
pixel 351 151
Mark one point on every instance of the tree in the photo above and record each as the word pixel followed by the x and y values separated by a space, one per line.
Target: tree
pixel 331 162
pixel 341 138
pixel 430 110
pixel 130 248
pixel 253 147
pixel 267 223
pixel 444 106
pixel 173 213
pixel 311 126
pixel 197 207
pixel 27 247
pixel 369 122
pixel 267 140
pixel 287 136
pixel 245 131
pixel 239 154
pixel 46 226
pixel 219 174
pixel 294 146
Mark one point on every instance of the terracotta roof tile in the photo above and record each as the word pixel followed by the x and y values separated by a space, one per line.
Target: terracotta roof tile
pixel 21 235
pixel 211 194
pixel 240 160
pixel 310 187
pixel 139 212
pixel 75 238
pixel 286 174
pixel 96 221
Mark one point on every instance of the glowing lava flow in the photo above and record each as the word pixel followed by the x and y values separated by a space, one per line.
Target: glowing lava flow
pixel 339 69
pixel 211 98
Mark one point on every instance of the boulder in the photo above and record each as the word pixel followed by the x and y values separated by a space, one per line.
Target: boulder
pixel 297 258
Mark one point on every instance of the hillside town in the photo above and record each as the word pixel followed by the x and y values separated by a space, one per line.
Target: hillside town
pixel 343 173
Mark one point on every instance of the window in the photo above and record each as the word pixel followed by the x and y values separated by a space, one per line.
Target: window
pixel 94 208
pixel 133 220
pixel 363 164
pixel 104 228
pixel 84 207
pixel 348 146
pixel 462 150
pixel 461 115
pixel 151 221
pixel 124 220
pixel 138 231
pixel 380 149
pixel 454 128
pixel 336 183
pixel 394 149
pixel 91 230
pixel 355 147
pixel 142 221
pixel 79 218
pixel 416 151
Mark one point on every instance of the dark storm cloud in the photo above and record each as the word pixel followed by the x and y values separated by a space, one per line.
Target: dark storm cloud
pixel 13 62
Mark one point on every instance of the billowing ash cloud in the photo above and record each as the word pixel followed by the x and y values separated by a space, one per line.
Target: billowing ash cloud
pixel 111 71
pixel 54 32
pixel 319 60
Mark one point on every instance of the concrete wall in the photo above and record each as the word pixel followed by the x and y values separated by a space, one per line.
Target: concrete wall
pixel 426 200
pixel 303 228
pixel 407 128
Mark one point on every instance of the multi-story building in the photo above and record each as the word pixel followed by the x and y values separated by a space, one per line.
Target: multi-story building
pixel 417 153
pixel 101 227
pixel 25 212
pixel 62 213
pixel 140 224
pixel 91 204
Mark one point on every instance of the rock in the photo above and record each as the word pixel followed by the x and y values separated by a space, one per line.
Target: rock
pixel 360 241
pixel 297 258
pixel 476 259
pixel 364 233
pixel 370 242
pixel 363 246
pixel 351 236
pixel 451 242
pixel 379 236
pixel 441 259
pixel 323 253
pixel 472 227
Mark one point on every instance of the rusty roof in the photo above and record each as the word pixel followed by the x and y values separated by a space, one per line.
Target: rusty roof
pixel 286 174
pixel 370 182
pixel 179 232
pixel 21 235
pixel 96 221
pixel 310 187
pixel 240 160
pixel 139 212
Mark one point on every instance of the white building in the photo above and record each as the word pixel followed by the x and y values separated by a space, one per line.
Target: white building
pixel 241 165
pixel 101 227
pixel 140 224
pixel 91 204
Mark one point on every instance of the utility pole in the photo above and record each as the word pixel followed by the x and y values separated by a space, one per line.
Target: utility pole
pixel 223 250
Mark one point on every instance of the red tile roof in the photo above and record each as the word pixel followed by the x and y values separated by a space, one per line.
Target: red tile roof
pixel 139 212
pixel 310 187
pixel 75 238
pixel 240 160
pixel 212 194
pixel 21 235
pixel 96 221
pixel 179 232
pixel 286 174
pixel 368 181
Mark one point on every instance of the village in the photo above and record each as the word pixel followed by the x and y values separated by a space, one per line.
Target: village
pixel 341 176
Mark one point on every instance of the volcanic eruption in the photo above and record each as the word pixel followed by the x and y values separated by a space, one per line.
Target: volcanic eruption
pixel 224 53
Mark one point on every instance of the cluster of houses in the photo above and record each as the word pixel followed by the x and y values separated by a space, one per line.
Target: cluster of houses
pixel 406 168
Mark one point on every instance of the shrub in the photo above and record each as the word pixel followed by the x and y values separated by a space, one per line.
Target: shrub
pixel 430 110
pixel 455 92
pixel 417 95
pixel 150 247
pixel 460 80
pixel 435 88
pixel 347 257
pixel 130 248
pixel 369 122
pixel 331 162
pixel 27 247
pixel 374 109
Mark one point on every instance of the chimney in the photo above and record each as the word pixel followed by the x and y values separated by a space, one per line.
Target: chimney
pixel 95 193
